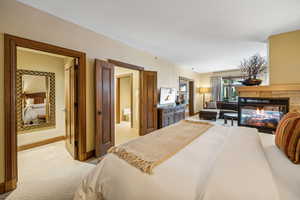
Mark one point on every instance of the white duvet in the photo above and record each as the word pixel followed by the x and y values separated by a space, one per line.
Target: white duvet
pixel 222 164
pixel 32 111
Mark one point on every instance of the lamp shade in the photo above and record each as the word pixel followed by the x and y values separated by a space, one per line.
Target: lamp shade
pixel 204 90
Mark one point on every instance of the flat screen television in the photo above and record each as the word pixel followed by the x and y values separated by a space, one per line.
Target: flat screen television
pixel 167 96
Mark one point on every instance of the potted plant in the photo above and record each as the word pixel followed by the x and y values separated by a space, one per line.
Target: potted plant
pixel 252 67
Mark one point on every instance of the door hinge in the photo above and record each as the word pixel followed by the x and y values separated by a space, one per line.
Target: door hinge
pixel 76 143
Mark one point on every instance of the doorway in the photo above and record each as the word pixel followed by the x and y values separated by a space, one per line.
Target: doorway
pixel 127 104
pixel 40 97
pixel 140 113
pixel 186 95
pixel 31 106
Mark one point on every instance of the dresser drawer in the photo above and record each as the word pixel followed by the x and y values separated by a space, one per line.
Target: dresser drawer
pixel 170 115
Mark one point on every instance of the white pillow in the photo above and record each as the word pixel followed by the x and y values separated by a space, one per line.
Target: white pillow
pixel 29 101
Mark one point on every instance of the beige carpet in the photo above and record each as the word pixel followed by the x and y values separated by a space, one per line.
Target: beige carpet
pixel 124 133
pixel 48 173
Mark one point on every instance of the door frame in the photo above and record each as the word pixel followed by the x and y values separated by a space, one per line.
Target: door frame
pixel 140 69
pixel 10 66
pixel 191 91
pixel 191 97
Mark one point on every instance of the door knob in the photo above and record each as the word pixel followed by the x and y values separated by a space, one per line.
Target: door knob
pixel 99 112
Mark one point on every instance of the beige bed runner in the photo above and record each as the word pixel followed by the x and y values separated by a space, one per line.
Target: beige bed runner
pixel 148 151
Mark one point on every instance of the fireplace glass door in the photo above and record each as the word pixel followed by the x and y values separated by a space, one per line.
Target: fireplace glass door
pixel 262 113
pixel 261 116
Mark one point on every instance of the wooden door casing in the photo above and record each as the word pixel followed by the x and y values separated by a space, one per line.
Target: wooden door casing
pixel 104 116
pixel 191 98
pixel 148 102
pixel 118 111
pixel 10 135
pixel 71 108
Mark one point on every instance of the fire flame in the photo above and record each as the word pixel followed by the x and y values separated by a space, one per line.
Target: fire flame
pixel 260 112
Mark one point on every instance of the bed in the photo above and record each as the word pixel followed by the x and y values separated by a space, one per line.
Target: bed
pixel 228 163
pixel 34 112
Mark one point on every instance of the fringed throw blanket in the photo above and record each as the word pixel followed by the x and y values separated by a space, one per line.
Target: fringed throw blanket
pixel 150 150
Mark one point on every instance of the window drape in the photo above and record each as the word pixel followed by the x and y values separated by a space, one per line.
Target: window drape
pixel 216 88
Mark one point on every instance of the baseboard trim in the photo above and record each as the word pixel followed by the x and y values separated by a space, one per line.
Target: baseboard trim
pixel 90 154
pixel 41 143
pixel 8 186
pixel 2 188
pixel 87 155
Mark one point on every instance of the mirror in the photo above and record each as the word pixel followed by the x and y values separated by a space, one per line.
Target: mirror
pixel 35 99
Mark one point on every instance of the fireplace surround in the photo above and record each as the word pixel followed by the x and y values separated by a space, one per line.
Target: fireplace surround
pixel 261 113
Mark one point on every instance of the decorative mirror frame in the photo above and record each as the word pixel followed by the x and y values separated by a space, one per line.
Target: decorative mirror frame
pixel 51 122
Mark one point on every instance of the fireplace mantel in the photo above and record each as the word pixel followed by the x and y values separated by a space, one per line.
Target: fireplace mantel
pixel 270 88
pixel 291 91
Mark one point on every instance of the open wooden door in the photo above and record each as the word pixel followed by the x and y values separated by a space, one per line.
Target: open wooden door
pixel 104 92
pixel 191 98
pixel 71 106
pixel 148 102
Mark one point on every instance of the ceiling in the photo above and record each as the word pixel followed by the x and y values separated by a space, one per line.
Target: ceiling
pixel 207 35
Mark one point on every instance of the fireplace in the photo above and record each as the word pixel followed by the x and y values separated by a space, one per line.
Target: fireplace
pixel 262 113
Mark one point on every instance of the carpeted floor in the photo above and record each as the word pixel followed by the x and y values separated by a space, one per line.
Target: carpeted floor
pixel 124 133
pixel 48 173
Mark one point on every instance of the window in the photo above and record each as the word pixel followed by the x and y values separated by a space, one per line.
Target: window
pixel 230 85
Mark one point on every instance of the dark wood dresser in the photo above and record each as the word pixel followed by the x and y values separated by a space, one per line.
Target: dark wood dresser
pixel 170 114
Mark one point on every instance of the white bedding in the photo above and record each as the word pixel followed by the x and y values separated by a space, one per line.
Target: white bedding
pixel 286 173
pixel 222 164
pixel 31 112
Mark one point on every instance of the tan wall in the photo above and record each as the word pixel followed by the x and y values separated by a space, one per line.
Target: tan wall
pixel 135 90
pixel 46 63
pixel 20 20
pixel 284 58
pixel 125 94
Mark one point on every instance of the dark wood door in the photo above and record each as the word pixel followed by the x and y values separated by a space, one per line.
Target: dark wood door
pixel 71 106
pixel 105 124
pixel 148 102
pixel 191 98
